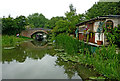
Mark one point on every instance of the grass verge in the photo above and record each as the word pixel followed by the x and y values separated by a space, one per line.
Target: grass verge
pixel 12 40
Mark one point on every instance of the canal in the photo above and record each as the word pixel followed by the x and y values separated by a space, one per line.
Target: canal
pixel 38 60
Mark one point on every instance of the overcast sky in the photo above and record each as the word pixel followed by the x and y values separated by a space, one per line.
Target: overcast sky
pixel 49 8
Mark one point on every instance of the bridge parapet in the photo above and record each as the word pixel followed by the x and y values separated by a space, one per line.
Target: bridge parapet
pixel 30 32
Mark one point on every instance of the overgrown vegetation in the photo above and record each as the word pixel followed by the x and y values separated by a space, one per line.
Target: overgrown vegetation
pixel 105 60
pixel 12 40
pixel 70 45
pixel 114 35
pixel 103 8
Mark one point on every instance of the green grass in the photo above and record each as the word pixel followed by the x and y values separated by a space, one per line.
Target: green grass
pixel 12 40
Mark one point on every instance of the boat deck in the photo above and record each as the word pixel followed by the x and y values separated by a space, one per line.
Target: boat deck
pixel 93 44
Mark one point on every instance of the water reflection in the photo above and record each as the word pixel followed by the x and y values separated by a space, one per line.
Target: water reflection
pixel 31 60
pixel 72 68
pixel 39 43
pixel 27 49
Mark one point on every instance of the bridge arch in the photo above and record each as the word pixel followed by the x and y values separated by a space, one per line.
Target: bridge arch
pixel 35 32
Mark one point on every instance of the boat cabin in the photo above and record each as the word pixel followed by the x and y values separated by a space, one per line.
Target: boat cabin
pixel 92 31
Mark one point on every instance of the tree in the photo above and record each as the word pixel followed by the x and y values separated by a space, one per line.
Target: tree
pixel 11 26
pixel 51 23
pixel 61 27
pixel 67 24
pixel 73 18
pixel 104 8
pixel 38 20
pixel 21 22
pixel 8 26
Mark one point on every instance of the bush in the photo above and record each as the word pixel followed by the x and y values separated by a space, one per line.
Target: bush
pixel 114 36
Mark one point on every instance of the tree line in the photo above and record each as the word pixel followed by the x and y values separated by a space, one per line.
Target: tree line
pixel 59 24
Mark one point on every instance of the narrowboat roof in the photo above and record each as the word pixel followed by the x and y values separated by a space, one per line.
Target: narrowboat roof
pixel 99 18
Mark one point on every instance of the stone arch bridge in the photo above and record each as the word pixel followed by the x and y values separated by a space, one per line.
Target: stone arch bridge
pixel 30 32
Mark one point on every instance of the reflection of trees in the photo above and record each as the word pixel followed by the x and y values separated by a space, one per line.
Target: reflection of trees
pixel 14 54
pixel 70 68
pixel 22 52
pixel 85 72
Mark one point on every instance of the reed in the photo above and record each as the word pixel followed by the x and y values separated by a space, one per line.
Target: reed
pixel 69 44
pixel 104 60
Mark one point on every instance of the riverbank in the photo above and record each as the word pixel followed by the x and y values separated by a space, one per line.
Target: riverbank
pixel 12 40
pixel 104 60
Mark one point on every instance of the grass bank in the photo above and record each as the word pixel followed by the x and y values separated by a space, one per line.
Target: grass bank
pixel 104 59
pixel 12 40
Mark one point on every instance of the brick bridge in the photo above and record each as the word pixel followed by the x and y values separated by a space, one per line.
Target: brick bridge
pixel 30 32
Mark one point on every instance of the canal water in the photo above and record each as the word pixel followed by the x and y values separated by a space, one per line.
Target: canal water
pixel 37 60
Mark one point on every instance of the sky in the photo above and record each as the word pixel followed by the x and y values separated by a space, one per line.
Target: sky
pixel 49 8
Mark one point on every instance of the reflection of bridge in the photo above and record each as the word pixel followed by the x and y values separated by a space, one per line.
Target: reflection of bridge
pixel 30 32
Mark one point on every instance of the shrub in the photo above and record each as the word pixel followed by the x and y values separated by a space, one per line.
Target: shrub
pixel 113 36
